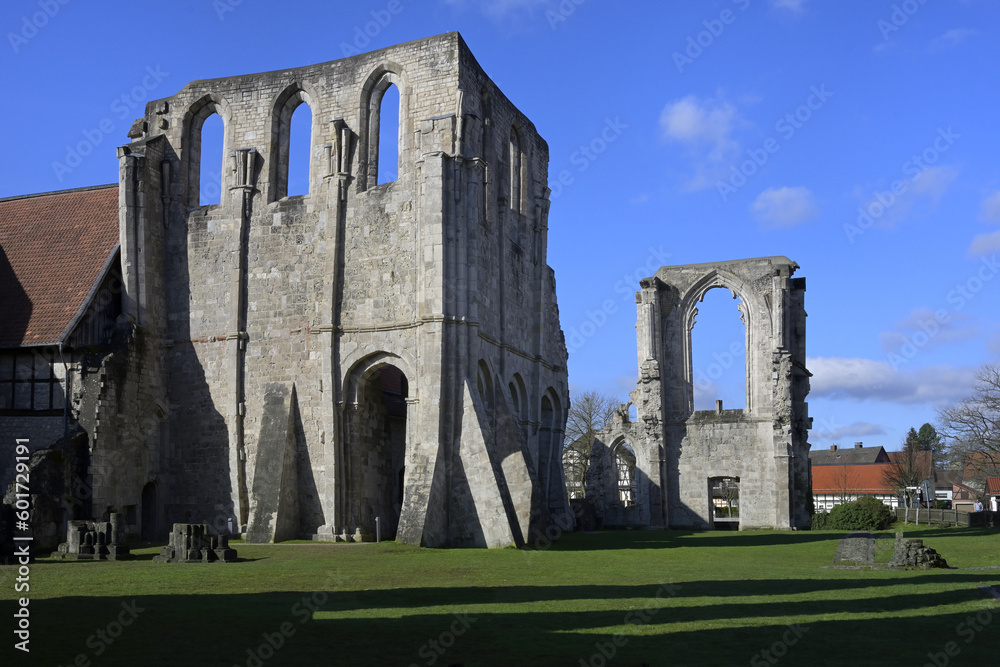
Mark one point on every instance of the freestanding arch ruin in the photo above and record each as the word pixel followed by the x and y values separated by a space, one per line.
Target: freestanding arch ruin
pixel 687 461
pixel 365 350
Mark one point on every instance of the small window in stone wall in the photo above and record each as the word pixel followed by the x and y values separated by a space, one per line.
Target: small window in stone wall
pixel 31 381
pixel 211 142
pixel 388 136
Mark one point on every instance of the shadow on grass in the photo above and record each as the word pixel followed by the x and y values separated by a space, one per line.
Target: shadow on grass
pixel 665 539
pixel 554 625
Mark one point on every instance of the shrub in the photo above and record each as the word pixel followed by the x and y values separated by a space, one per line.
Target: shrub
pixel 819 521
pixel 865 513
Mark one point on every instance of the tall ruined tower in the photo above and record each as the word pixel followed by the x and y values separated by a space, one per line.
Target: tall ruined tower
pixel 364 351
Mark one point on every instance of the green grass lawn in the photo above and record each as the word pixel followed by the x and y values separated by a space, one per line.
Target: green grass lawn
pixel 660 598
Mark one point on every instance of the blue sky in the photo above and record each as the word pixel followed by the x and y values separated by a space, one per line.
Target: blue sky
pixel 856 137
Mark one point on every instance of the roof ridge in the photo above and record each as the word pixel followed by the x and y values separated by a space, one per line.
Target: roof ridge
pixel 58 192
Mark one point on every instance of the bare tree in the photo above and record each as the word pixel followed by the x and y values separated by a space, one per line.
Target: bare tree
pixel 904 472
pixel 844 484
pixel 972 427
pixel 730 493
pixel 588 414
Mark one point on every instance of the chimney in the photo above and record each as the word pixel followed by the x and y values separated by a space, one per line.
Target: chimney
pixel 718 406
pixel 833 448
pixel 859 445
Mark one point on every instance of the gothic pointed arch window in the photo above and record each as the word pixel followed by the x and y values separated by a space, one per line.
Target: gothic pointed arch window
pixel 292 132
pixel 718 351
pixel 206 131
pixel 625 473
pixel 383 118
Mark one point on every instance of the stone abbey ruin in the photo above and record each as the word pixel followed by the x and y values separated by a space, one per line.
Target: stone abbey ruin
pixel 368 357
pixel 666 467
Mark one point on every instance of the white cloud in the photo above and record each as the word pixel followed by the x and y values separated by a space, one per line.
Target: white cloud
pixel 990 208
pixel 705 127
pixel 698 122
pixel 640 198
pixel 784 207
pixel 499 10
pixel 853 430
pixel 922 192
pixel 870 380
pixel 951 37
pixel 934 181
pixel 923 326
pixel 705 394
pixel 985 244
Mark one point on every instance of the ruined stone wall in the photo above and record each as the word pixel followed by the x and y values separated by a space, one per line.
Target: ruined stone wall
pixel 431 273
pixel 723 445
pixel 679 450
pixel 120 406
pixel 40 431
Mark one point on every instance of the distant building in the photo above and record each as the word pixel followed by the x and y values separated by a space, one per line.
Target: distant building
pixel 834 485
pixel 963 496
pixel 838 456
pixel 991 495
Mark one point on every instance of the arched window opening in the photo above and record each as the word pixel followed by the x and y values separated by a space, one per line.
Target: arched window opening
pixel 625 468
pixel 718 352
pixel 389 136
pixel 300 150
pixel 515 403
pixel 515 171
pixel 485 386
pixel 575 463
pixel 210 146
pixel 517 387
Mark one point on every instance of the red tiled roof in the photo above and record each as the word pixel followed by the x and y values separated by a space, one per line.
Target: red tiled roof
pixel 993 485
pixel 861 478
pixel 53 249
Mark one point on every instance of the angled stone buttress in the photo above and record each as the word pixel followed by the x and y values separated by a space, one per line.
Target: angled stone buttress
pixel 393 328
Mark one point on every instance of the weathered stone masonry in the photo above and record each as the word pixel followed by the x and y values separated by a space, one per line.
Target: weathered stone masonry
pixel 680 451
pixel 406 332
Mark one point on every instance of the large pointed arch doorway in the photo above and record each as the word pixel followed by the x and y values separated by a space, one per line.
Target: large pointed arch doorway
pixel 376 452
